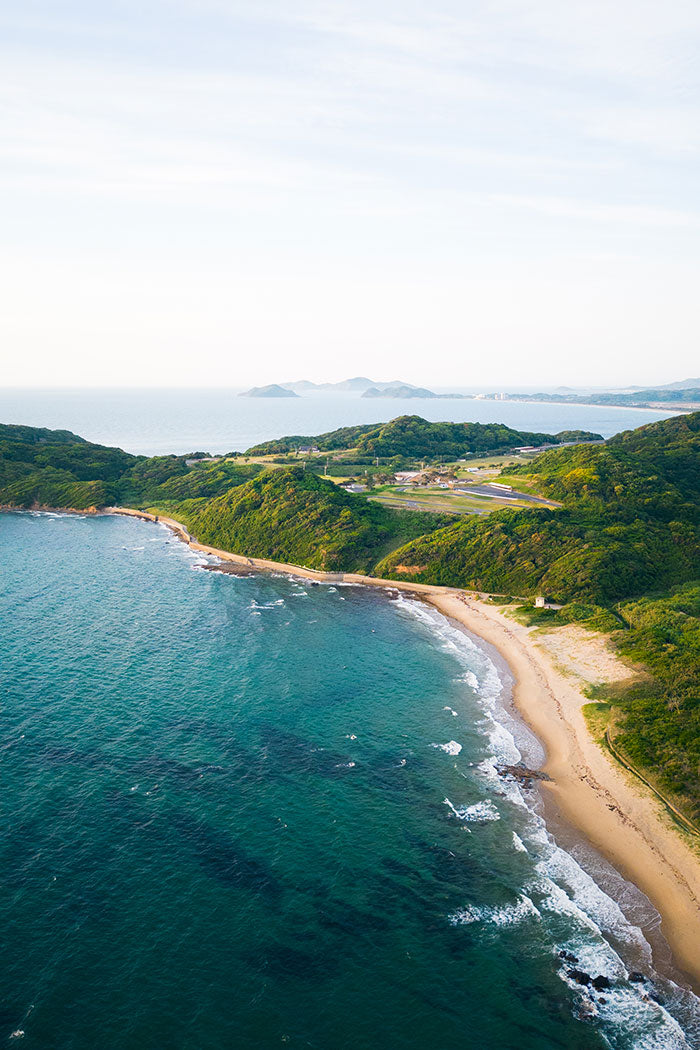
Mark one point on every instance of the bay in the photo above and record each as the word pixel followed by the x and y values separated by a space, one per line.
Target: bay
pixel 250 811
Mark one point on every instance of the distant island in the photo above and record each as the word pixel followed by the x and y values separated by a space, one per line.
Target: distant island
pixel 405 391
pixel 397 389
pixel 273 390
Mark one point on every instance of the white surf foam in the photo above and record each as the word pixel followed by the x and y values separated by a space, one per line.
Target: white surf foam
pixel 450 748
pixel 478 813
pixel 576 912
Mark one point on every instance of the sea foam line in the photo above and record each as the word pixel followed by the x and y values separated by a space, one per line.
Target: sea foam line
pixel 560 889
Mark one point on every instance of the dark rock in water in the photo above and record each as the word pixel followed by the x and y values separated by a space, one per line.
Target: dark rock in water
pixel 232 569
pixel 636 977
pixel 569 956
pixel 521 773
pixel 580 976
pixel 601 983
pixel 602 1000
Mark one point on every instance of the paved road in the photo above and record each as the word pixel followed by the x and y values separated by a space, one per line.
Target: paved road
pixel 493 491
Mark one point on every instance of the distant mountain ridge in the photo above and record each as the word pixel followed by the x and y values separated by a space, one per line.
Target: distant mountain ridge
pixel 272 390
pixel 356 385
pixel 397 389
pixel 405 391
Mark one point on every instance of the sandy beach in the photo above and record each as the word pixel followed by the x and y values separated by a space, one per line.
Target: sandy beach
pixel 611 807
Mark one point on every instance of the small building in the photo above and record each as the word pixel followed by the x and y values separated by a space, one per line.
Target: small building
pixel 540 602
pixel 406 475
pixel 354 487
pixel 308 449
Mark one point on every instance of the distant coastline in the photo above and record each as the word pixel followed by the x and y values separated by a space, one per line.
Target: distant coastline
pixel 597 797
pixel 673 410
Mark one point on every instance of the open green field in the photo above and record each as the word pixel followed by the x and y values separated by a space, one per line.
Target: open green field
pixel 440 501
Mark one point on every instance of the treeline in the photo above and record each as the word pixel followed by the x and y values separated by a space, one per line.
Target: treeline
pixel 416 438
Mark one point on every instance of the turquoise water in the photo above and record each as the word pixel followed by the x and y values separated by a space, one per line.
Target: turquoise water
pixel 248 812
pixel 155 422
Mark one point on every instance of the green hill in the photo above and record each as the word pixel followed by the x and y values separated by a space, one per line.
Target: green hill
pixel 417 438
pixel 630 522
pixel 54 468
pixel 295 516
pixel 286 515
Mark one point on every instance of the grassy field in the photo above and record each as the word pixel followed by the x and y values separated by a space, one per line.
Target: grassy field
pixel 440 500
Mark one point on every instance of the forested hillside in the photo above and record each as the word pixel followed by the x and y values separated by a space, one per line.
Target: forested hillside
pixel 415 437
pixel 295 516
pixel 630 523
pixel 54 468
pixel 286 515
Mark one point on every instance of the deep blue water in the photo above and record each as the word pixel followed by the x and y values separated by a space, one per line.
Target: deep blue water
pixel 248 812
pixel 155 422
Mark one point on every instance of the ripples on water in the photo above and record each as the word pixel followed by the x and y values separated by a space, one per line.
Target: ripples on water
pixel 236 818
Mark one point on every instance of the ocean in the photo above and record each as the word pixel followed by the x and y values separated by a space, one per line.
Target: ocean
pixel 157 422
pixel 252 811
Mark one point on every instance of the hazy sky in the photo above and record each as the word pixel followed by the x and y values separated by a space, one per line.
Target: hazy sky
pixel 242 191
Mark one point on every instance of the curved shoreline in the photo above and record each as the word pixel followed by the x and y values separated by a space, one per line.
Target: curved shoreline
pixel 625 822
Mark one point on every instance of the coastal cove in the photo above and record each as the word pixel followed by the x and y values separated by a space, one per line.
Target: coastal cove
pixel 625 822
pixel 406 729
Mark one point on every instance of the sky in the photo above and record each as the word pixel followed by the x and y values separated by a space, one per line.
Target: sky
pixel 466 192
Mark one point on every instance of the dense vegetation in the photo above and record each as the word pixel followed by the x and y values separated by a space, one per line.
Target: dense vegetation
pixel 295 516
pixel 657 722
pixel 416 438
pixel 287 515
pixel 630 523
pixel 54 468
